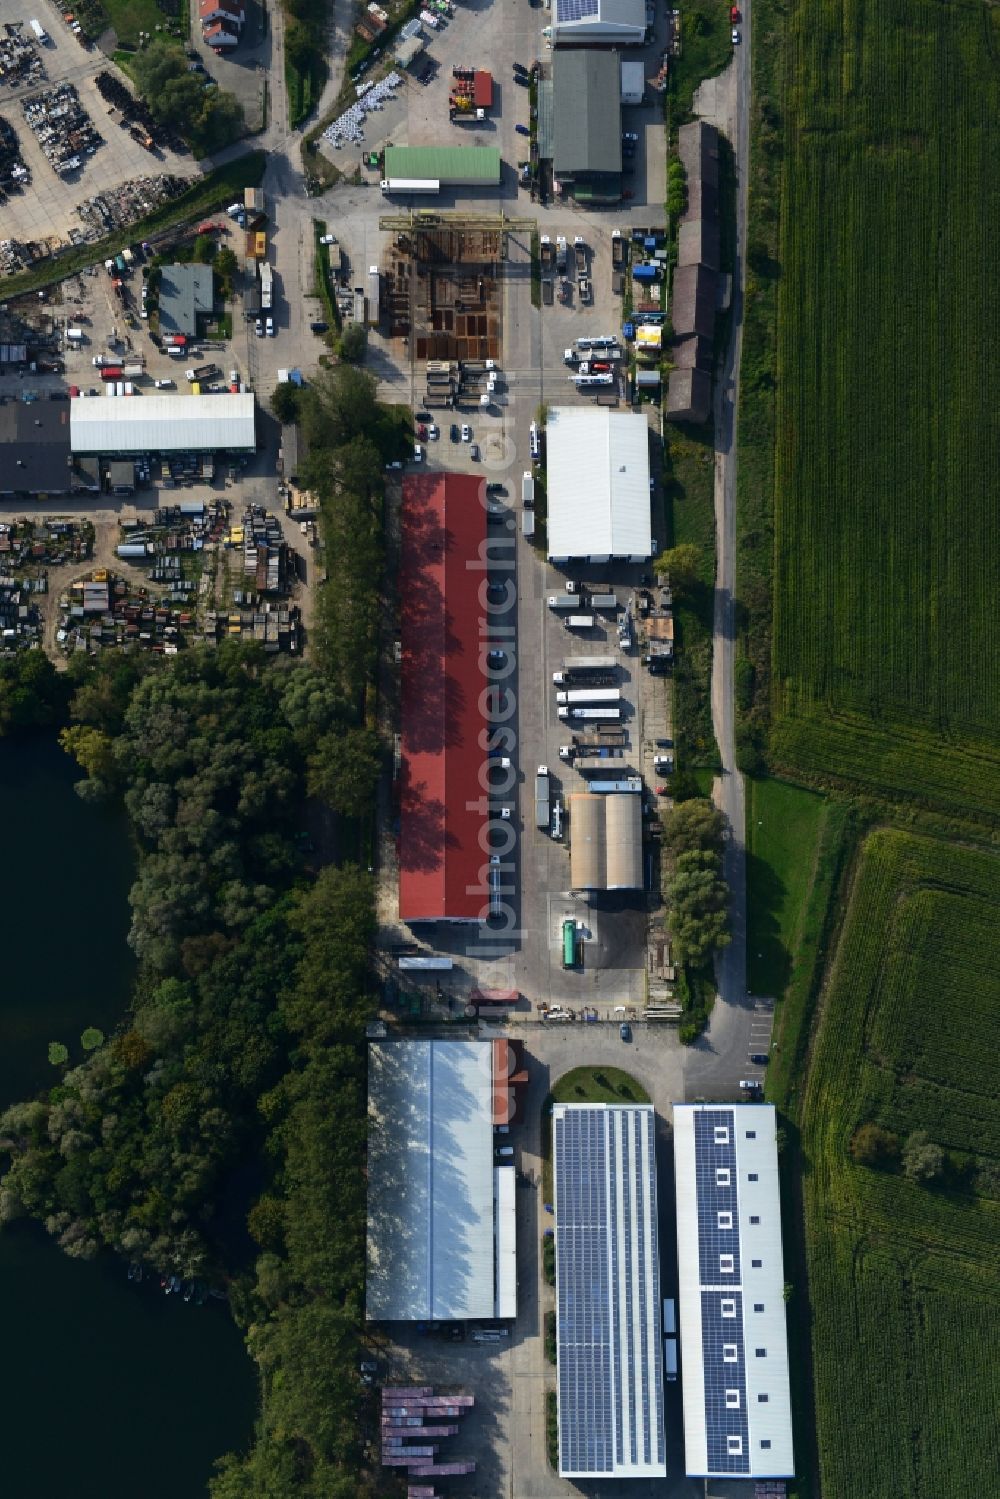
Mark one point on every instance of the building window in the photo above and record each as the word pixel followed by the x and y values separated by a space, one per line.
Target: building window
pixel 727 1264
pixel 751 1134
pixel 722 1176
pixel 754 1218
pixel 732 1400
pixel 761 1399
pixel 756 1264
pixel 729 1353
pixel 721 1135
pixel 758 1306
pixel 725 1220
pixel 760 1352
pixel 751 1176
pixel 765 1441
pixel 728 1308
pixel 735 1446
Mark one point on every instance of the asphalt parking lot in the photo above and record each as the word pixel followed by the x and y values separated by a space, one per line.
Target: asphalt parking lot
pixel 46 209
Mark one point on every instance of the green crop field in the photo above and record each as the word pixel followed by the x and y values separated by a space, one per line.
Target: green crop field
pixel 904 1280
pixel 887 460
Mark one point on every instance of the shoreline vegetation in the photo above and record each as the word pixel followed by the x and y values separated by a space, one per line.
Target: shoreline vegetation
pixel 244 1043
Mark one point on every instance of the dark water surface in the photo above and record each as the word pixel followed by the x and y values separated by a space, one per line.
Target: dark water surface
pixel 107 1390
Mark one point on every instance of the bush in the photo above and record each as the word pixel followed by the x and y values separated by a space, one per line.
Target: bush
pixel 549 1259
pixel 873 1146
pixel 923 1161
pixel 550 1336
pixel 285 402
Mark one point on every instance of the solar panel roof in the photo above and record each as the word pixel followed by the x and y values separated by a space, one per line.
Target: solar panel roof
pixel 610 1371
pixel 737 1408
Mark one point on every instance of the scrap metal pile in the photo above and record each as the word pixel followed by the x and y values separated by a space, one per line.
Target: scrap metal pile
pixel 20 60
pixel 127 202
pixel 136 117
pixel 62 127
pixel 13 172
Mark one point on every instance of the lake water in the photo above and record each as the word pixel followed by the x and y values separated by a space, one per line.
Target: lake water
pixel 108 1390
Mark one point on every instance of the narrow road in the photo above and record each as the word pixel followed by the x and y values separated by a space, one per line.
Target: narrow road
pixel 728 790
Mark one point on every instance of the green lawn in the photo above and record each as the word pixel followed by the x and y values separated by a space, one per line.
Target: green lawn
pixel 598 1085
pixel 129 17
pixel 904 1280
pixel 887 455
pixel 783 827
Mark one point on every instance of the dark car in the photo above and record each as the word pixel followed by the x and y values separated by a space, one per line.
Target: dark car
pixel 625 1031
pixel 319 327
pixel 522 129
pixel 424 416
pixel 453 433
pixel 496 489
pixel 664 744
pixel 759 1057
pixel 522 79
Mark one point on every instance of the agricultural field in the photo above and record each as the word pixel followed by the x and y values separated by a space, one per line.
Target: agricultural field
pixel 886 657
pixel 904 1278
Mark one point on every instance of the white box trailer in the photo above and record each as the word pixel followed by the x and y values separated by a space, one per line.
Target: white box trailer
pixel 590 695
pixel 563 601
pixel 604 601
pixel 527 524
pixel 527 491
pixel 425 185
pixel 580 622
pixel 597 715
pixel 574 664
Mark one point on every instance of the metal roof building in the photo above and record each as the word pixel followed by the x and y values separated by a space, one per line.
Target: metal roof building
pixel 598 484
pixel 737 1405
pixel 457 166
pixel 34 440
pixel 441 1228
pixel 605 841
pixel 587 131
pixel 608 1348
pixel 163 424
pixel 186 293
pixel 442 866
pixel 599 21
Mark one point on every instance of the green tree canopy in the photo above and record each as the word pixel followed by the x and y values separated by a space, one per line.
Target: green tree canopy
pixel 692 825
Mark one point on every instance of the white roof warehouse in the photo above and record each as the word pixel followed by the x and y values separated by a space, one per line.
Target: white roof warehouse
pixel 440 1212
pixel 162 424
pixel 598 484
pixel 737 1404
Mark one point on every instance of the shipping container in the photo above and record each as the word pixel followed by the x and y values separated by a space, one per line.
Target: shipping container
pixel 604 601
pixel 669 1317
pixel 563 601
pixel 670 1358
pixel 580 622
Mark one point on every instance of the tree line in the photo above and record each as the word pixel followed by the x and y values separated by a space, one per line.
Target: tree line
pixel 697 900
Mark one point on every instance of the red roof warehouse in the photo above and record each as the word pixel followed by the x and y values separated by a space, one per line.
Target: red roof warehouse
pixel 442 867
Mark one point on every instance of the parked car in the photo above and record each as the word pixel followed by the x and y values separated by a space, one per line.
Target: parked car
pixel 433 432
pixel 736 37
pixel 760 1058
pixel 629 135
pixel 523 129
pixel 163 384
pixel 496 489
pixel 625 1031
pixel 474 452
pixel 418 453
pixel 259 328
pixel 454 433
pixel 466 432
pixel 270 327
pixel 319 327
pixel 734 13
pixel 522 79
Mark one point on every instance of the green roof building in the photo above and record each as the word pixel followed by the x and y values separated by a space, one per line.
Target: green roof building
pixel 452 166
